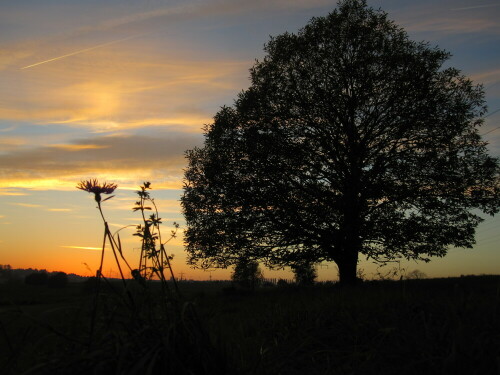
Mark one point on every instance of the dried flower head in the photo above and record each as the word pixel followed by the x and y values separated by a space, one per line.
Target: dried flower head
pixel 93 186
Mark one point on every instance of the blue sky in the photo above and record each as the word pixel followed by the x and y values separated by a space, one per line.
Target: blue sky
pixel 118 90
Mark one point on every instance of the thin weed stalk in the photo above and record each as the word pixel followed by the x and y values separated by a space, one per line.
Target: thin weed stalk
pixel 150 233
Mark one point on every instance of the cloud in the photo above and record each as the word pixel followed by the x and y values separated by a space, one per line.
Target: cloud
pixel 8 143
pixel 80 51
pixel 110 79
pixel 439 18
pixel 476 7
pixel 124 87
pixel 59 209
pixel 487 78
pixel 23 180
pixel 10 192
pixel 12 141
pixel 29 205
pixel 198 10
pixel 101 83
pixel 10 56
pixel 121 152
pixel 82 247
pixel 8 129
pixel 73 147
pixel 453 26
pixel 123 159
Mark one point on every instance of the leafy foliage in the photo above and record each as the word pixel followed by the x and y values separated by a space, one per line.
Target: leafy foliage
pixel 351 139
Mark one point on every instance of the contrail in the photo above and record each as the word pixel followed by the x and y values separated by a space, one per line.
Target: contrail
pixel 82 51
pixel 477 6
pixel 83 247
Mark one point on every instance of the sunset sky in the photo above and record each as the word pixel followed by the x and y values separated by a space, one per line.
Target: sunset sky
pixel 119 89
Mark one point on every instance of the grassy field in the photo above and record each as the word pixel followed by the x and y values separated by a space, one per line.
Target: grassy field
pixel 434 326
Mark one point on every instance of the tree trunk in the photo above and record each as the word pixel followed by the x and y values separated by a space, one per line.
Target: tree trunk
pixel 351 243
pixel 348 265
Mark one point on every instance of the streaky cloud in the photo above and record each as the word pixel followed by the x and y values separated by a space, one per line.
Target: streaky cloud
pixel 83 51
pixel 476 7
pixel 78 147
pixel 28 205
pixel 82 247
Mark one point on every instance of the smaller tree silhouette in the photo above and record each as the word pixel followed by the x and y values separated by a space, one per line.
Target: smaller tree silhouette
pixel 37 278
pixel 304 272
pixel 416 275
pixel 57 280
pixel 247 273
pixel 5 272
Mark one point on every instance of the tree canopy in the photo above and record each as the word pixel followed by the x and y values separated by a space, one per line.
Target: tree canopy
pixel 352 139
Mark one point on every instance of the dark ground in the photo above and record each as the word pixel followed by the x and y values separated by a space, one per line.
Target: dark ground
pixel 432 326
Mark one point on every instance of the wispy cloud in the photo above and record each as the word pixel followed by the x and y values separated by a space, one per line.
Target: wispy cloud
pixel 476 7
pixel 12 141
pixel 123 159
pixel 202 9
pixel 451 26
pixel 122 89
pixel 82 247
pixel 27 180
pixel 81 51
pixel 8 129
pixel 60 209
pixel 487 78
pixel 10 192
pixel 437 18
pixel 77 147
pixel 11 55
pixel 29 205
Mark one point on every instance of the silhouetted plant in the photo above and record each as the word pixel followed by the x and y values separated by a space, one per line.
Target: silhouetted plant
pixel 154 260
pixel 162 333
pixel 93 186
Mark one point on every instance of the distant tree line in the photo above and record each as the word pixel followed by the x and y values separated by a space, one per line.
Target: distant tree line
pixel 53 279
pixel 32 276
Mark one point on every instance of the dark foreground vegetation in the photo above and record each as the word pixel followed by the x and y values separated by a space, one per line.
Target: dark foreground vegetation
pixel 432 326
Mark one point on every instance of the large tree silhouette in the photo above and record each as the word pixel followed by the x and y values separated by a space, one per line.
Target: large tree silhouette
pixel 351 139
